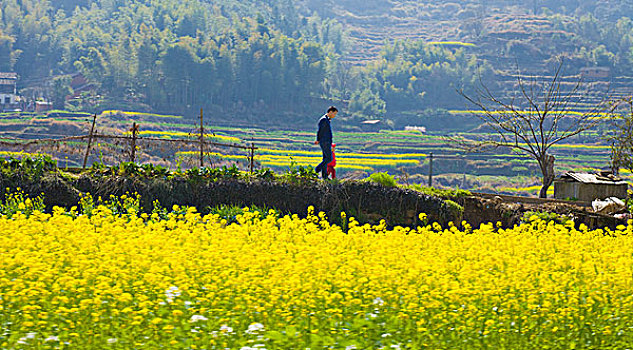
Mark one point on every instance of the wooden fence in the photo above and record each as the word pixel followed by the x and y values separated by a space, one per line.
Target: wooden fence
pixel 201 141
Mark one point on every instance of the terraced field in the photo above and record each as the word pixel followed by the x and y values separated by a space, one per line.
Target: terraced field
pixel 402 153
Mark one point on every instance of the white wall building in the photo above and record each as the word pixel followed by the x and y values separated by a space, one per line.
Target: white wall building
pixel 8 89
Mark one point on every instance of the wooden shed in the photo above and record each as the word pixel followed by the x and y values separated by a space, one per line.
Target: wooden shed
pixel 587 187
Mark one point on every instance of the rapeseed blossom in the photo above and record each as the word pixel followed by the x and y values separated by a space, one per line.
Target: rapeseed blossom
pixel 128 281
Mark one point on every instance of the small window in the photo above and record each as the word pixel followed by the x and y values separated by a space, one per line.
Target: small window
pixel 7 100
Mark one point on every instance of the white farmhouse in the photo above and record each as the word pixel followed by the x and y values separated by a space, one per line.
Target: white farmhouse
pixel 8 90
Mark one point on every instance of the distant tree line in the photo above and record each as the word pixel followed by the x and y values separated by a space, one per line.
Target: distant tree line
pixel 259 56
pixel 173 55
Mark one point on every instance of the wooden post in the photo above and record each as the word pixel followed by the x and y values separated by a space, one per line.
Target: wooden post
pixel 134 133
pixel 252 155
pixel 201 140
pixel 430 169
pixel 92 129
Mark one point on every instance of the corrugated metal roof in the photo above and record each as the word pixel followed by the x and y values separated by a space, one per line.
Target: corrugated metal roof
pixel 593 178
pixel 7 82
pixel 8 75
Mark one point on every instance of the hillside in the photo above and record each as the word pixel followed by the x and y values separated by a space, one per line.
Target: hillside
pixel 375 59
pixel 491 25
pixel 507 36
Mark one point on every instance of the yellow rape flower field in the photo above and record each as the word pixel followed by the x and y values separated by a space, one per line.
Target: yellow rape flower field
pixel 187 281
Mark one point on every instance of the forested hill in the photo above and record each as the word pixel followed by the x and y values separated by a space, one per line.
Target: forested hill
pixel 168 55
pixel 261 58
pixel 513 28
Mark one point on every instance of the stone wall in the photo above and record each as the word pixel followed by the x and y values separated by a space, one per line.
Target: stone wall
pixel 368 202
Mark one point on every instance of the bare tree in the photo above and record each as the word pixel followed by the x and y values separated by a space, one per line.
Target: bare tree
pixel 476 24
pixel 342 77
pixel 620 137
pixel 543 112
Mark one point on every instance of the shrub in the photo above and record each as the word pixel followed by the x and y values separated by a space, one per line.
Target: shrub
pixel 453 207
pixel 437 192
pixel 230 173
pixel 32 166
pixel 300 174
pixel 383 179
pixel 264 174
pixel 151 170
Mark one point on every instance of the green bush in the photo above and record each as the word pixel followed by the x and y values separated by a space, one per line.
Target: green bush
pixel 156 171
pixel 214 174
pixel 152 171
pixel 383 179
pixel 436 192
pixel 453 207
pixel 300 174
pixel 31 167
pixel 264 174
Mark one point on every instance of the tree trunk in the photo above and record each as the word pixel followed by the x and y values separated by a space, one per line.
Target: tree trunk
pixel 547 168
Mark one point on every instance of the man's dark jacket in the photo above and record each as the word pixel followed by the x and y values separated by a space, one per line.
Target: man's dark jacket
pixel 324 134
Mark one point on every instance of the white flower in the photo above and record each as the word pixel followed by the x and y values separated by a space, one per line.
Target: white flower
pixel 351 347
pixel 254 328
pixel 378 301
pixel 112 340
pixel 196 318
pixel 171 293
pixel 27 337
pixel 226 329
pixel 255 347
pixel 395 346
pixel 386 335
pixel 52 338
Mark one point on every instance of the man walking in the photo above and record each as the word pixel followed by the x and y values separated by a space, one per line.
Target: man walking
pixel 324 139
